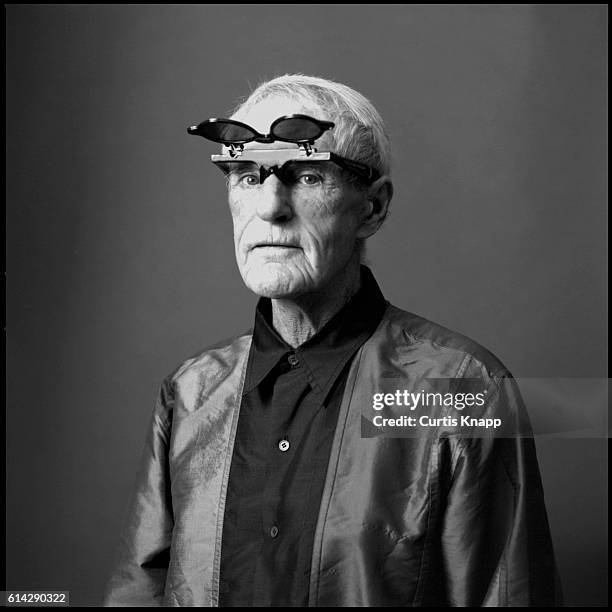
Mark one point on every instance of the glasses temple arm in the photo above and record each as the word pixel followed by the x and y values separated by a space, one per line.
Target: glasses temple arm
pixel 363 170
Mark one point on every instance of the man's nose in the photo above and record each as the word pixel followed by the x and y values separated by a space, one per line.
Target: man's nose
pixel 274 203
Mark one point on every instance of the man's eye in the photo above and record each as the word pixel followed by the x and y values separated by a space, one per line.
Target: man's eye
pixel 309 179
pixel 247 180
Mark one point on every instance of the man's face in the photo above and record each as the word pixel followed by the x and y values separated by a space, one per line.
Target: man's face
pixel 297 237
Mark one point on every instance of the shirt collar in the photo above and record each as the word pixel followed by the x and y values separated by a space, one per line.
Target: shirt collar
pixel 325 354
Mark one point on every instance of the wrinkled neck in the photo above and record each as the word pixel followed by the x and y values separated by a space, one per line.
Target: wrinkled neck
pixel 298 319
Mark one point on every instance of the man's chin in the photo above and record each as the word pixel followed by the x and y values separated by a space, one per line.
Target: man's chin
pixel 269 290
pixel 273 285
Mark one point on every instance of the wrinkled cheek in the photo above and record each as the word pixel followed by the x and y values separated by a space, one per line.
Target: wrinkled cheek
pixel 326 248
pixel 239 225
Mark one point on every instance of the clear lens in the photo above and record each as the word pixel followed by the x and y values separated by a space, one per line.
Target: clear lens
pixel 294 174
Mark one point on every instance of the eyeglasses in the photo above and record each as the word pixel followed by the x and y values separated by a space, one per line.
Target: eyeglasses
pixel 299 129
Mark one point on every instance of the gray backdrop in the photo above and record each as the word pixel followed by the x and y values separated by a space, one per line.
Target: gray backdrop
pixel 120 257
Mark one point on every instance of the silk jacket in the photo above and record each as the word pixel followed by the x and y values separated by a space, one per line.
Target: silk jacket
pixel 422 521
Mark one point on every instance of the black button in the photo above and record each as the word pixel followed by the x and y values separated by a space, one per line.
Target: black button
pixel 293 360
pixel 274 531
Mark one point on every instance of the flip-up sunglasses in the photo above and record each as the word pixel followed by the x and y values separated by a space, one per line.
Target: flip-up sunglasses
pixel 299 129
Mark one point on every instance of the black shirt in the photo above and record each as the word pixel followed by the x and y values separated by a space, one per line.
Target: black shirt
pixel 285 429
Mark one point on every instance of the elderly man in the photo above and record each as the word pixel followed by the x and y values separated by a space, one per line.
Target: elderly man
pixel 263 480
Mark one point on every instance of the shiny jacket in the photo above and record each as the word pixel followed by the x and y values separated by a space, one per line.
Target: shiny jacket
pixel 422 521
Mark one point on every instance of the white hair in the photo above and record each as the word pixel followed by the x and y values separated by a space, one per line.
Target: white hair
pixel 360 133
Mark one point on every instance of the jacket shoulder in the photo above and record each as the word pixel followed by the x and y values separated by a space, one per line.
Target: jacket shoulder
pixel 213 362
pixel 430 339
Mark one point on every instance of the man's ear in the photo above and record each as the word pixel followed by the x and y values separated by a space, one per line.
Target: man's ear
pixel 379 196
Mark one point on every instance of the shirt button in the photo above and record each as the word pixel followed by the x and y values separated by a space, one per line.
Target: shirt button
pixel 274 531
pixel 283 445
pixel 293 360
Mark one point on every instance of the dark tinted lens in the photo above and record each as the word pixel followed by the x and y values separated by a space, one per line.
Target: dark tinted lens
pixel 296 129
pixel 226 133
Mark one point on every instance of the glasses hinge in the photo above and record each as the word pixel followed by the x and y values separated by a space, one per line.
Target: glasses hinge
pixel 235 150
pixel 307 148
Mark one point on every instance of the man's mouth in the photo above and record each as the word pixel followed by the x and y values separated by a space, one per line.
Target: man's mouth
pixel 274 245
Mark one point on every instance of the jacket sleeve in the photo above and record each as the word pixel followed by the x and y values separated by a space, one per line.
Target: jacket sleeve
pixel 139 575
pixel 495 546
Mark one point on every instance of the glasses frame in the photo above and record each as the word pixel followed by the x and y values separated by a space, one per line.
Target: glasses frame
pixel 323 126
pixel 237 153
pixel 259 156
